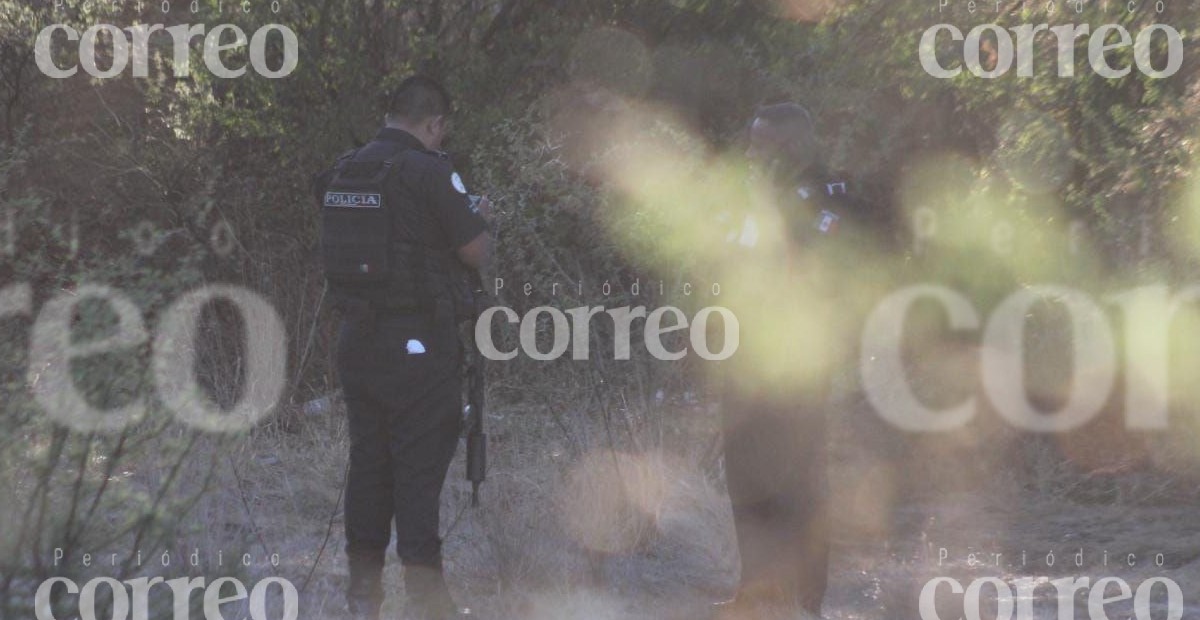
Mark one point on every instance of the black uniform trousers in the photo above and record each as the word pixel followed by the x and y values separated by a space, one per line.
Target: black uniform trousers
pixel 776 471
pixel 405 418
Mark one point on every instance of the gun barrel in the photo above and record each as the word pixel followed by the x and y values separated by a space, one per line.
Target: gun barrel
pixel 476 463
pixel 476 438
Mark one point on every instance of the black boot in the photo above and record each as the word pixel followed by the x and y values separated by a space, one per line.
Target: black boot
pixel 364 595
pixel 428 596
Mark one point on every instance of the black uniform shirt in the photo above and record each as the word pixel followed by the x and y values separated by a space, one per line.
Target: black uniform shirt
pixel 800 241
pixel 445 217
pixel 819 207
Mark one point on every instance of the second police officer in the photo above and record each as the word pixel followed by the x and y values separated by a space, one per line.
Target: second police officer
pixel 775 433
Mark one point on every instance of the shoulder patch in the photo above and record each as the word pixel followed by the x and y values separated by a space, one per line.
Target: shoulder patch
pixel 457 182
pixel 827 222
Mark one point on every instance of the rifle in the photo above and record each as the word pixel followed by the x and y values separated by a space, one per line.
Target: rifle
pixel 476 439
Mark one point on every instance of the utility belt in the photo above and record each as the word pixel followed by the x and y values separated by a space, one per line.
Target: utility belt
pixel 438 313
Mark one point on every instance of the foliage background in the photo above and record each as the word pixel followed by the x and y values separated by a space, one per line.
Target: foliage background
pixel 216 173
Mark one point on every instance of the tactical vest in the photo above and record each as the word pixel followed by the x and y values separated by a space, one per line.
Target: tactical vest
pixel 371 253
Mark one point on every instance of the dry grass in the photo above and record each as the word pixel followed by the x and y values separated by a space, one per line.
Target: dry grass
pixel 570 529
pixel 630 520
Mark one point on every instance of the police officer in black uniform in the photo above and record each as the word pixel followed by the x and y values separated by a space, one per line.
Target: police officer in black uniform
pixel 399 233
pixel 775 452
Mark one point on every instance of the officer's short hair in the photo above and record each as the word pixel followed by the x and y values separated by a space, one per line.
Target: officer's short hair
pixel 418 98
pixel 792 119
